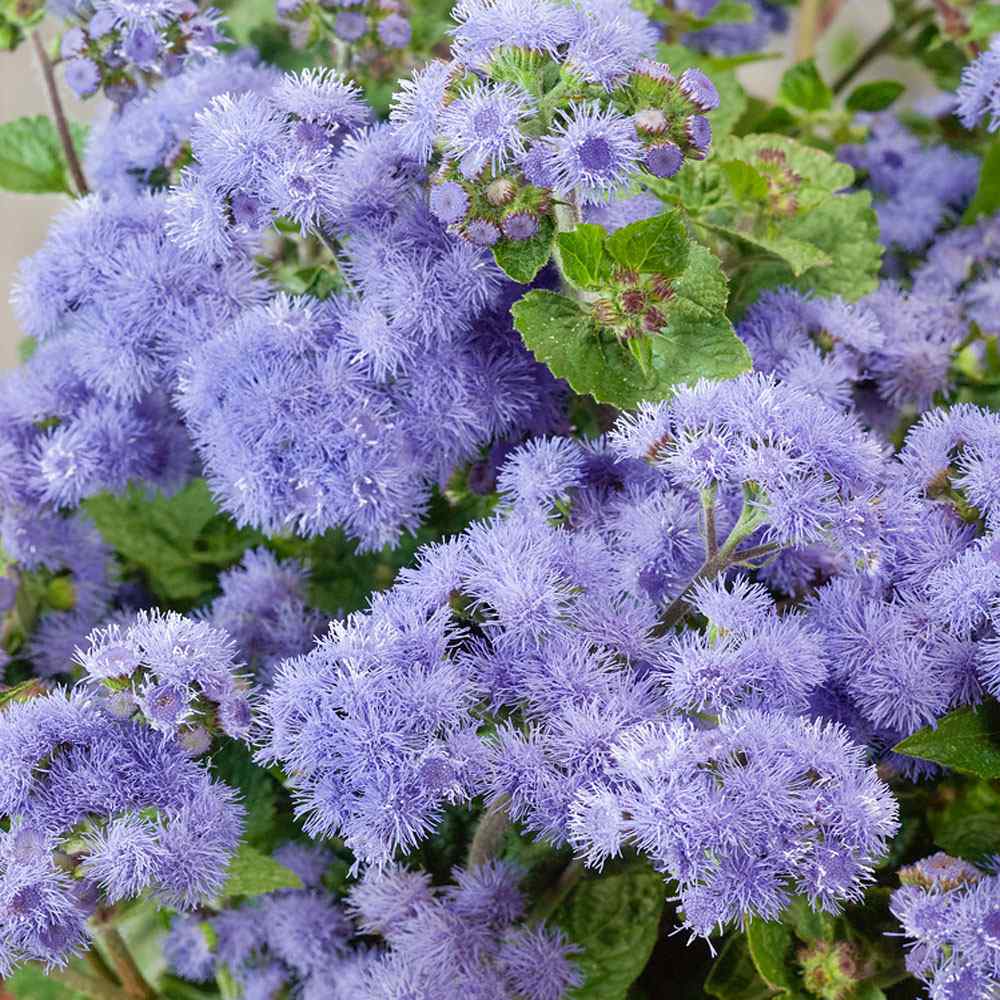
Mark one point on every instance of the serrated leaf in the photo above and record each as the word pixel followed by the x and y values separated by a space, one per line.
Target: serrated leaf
pixel 563 337
pixel 701 291
pixel 29 982
pixel 798 255
pixel 251 873
pixel 744 181
pixel 584 262
pixel 986 200
pixel 31 157
pixel 874 96
pixel 651 246
pixel 967 740
pixel 734 976
pixel 809 925
pixel 802 87
pixel 523 259
pixel 772 948
pixel 615 920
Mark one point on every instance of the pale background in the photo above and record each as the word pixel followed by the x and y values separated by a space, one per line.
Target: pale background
pixel 25 218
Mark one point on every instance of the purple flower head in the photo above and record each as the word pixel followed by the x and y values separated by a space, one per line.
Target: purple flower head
pixel 519 226
pixel 416 107
pixel 350 26
pixel 8 593
pixel 663 159
pixel 481 232
pixel 592 150
pixel 186 949
pixel 538 962
pixel 82 76
pixel 324 97
pixel 72 43
pixel 541 472
pixel 483 26
pixel 482 126
pixel 449 202
pixel 699 133
pixel 979 93
pixel 610 41
pixel 698 89
pixel 394 31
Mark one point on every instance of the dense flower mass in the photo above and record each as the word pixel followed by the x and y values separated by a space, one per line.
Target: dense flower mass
pixel 483 489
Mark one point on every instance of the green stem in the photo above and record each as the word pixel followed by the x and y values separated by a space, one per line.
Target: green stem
pixel 807 29
pixel 489 836
pixel 903 20
pixel 133 982
pixel 711 533
pixel 62 126
pixel 549 901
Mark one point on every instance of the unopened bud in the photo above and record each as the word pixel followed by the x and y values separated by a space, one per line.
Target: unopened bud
pixel 500 192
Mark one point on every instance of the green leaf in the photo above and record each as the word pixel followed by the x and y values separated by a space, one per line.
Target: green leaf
pixel 744 181
pixel 31 157
pixel 234 764
pixel 584 262
pixel 523 259
pixel 803 87
pixel 651 246
pixel 251 873
pixel 561 335
pixel 809 925
pixel 179 543
pixel 874 96
pixel 968 825
pixel 984 22
pixel 797 254
pixel 967 740
pixel 986 200
pixel 615 920
pixel 734 975
pixel 29 982
pixel 701 291
pixel 772 948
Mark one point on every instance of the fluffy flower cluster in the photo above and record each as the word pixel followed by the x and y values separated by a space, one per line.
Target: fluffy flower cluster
pixel 97 810
pixel 917 188
pixel 979 93
pixel 259 157
pixel 543 102
pixel 73 565
pixel 263 609
pixel 295 938
pixel 370 27
pixel 121 47
pixel 888 353
pixel 950 911
pixel 735 38
pixel 179 673
pixel 345 412
pixel 552 625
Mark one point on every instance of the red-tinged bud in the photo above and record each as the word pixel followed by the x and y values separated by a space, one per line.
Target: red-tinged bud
pixel 653 320
pixel 633 301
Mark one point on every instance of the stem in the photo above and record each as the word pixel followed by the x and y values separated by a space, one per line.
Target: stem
pixel 807 29
pixel 133 982
pixel 548 902
pixel 901 24
pixel 62 126
pixel 747 524
pixel 745 555
pixel 89 986
pixel 711 534
pixel 490 833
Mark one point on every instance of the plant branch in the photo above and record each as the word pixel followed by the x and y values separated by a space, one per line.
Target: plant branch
pixel 711 532
pixel 62 126
pixel 89 986
pixel 900 25
pixel 807 29
pixel 489 835
pixel 133 982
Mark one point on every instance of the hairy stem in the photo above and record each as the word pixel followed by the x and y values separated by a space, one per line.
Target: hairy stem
pixel 807 29
pixel 902 22
pixel 89 986
pixel 711 532
pixel 133 982
pixel 490 833
pixel 62 126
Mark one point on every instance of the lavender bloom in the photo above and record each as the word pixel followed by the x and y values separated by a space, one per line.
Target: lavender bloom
pixel 611 38
pixel 979 93
pixel 177 669
pixel 482 126
pixel 263 608
pixel 483 27
pixel 593 151
pixel 950 912
pixel 147 818
pixel 416 106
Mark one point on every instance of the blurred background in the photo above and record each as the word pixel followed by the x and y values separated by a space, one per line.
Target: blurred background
pixel 24 219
